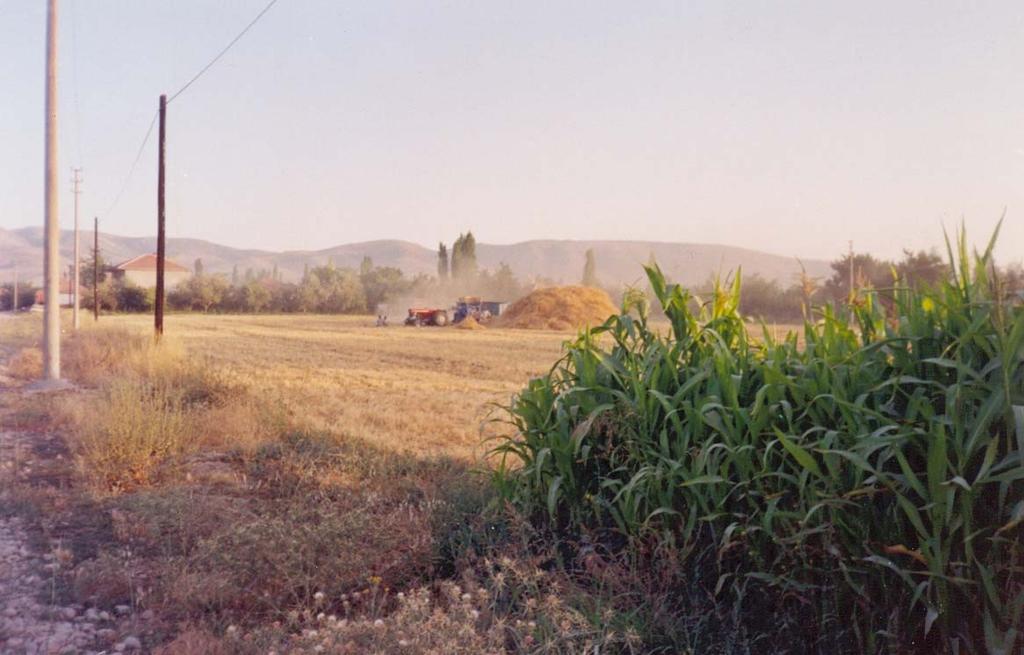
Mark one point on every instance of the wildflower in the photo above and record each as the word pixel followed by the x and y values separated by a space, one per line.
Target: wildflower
pixel 532 624
pixel 374 580
pixel 379 623
pixel 321 617
pixel 403 643
pixel 475 614
pixel 401 596
pixel 318 596
pixel 232 629
pixel 466 596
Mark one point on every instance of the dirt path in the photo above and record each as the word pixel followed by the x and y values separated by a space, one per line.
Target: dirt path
pixel 31 622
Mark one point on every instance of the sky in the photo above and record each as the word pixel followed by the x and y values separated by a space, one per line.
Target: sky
pixel 788 127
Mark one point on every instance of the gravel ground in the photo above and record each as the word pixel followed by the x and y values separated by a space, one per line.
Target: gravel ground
pixel 30 623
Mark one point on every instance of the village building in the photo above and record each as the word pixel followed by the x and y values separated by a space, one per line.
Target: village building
pixel 141 271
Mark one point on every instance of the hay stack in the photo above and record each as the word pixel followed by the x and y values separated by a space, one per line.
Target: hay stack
pixel 469 323
pixel 559 308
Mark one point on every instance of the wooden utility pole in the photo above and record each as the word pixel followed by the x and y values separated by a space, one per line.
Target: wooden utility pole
pixel 160 220
pixel 77 258
pixel 95 268
pixel 51 257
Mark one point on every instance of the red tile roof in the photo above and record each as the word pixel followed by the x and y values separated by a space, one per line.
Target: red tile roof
pixel 147 262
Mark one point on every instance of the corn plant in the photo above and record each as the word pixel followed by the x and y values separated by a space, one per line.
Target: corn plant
pixel 875 470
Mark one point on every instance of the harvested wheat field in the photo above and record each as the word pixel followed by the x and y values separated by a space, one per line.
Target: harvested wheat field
pixel 427 391
pixel 559 308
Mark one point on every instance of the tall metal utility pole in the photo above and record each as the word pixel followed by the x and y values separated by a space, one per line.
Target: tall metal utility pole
pixel 158 317
pixel 95 268
pixel 51 258
pixel 74 276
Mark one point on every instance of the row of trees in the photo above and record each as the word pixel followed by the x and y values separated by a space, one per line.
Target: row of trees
pixel 323 289
pixel 461 266
pixel 26 296
pixel 331 289
pixel 769 300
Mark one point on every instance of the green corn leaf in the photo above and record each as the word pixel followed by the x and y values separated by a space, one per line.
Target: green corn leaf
pixel 703 479
pixel 799 454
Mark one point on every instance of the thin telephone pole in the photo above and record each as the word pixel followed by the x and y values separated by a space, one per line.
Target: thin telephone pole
pixel 95 268
pixel 158 317
pixel 51 258
pixel 74 277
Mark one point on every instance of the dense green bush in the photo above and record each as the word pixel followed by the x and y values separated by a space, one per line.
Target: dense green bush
pixel 869 477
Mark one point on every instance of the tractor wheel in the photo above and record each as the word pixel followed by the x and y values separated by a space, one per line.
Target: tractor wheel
pixel 440 319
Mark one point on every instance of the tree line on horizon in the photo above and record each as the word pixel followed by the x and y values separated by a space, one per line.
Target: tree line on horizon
pixel 330 289
pixel 325 288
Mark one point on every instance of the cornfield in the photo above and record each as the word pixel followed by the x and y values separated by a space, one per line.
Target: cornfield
pixel 873 473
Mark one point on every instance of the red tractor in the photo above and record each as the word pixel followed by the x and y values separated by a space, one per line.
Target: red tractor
pixel 420 316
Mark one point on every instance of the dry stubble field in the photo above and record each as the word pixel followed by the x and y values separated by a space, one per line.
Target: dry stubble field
pixel 425 390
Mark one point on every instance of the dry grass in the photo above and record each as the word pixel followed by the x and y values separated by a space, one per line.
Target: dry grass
pixel 122 435
pixel 425 391
pixel 27 364
pixel 504 606
pixel 108 351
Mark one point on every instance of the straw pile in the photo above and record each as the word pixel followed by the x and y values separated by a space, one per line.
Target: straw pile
pixel 469 323
pixel 559 308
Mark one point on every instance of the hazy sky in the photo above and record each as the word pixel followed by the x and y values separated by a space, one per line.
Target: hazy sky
pixel 784 126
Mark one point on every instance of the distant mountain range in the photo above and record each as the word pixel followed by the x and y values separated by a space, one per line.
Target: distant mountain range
pixel 618 262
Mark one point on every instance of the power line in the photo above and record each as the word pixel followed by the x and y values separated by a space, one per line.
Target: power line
pixel 222 52
pixel 152 123
pixel 138 156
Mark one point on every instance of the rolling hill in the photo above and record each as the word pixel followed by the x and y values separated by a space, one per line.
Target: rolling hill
pixel 618 262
